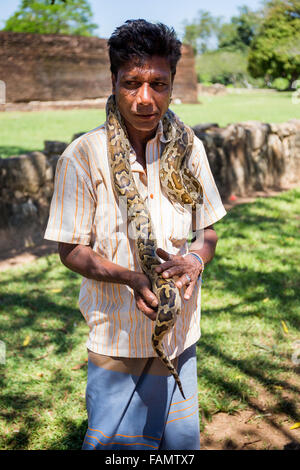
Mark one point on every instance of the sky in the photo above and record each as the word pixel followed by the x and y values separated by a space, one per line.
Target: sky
pixel 110 14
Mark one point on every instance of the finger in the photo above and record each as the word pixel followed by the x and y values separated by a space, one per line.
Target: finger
pixel 163 254
pixel 183 281
pixel 151 316
pixel 189 290
pixel 149 297
pixel 163 266
pixel 174 271
pixel 144 308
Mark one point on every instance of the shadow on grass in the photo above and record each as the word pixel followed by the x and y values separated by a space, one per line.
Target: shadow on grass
pixel 73 435
pixel 15 405
pixel 37 303
pixel 34 396
pixel 282 288
pixel 71 431
pixel 11 150
pixel 251 291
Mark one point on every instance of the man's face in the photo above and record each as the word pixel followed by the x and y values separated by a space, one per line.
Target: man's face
pixel 143 92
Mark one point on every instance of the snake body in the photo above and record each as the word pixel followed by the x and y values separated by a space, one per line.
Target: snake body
pixel 180 186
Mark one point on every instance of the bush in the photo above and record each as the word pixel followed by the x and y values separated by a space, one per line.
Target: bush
pixel 280 84
pixel 224 66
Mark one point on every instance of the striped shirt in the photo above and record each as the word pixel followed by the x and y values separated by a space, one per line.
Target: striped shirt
pixel 84 210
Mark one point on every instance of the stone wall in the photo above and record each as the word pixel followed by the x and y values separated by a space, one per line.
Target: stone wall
pixel 252 156
pixel 48 67
pixel 243 157
pixel 214 89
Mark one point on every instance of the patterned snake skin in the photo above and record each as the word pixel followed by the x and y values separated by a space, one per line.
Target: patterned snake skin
pixel 179 185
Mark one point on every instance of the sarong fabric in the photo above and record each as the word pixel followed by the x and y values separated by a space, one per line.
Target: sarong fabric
pixel 134 404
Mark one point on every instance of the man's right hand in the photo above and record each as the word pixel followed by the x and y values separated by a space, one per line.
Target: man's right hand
pixel 83 260
pixel 146 301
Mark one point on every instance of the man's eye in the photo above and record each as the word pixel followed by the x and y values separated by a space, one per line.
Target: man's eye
pixel 159 85
pixel 132 83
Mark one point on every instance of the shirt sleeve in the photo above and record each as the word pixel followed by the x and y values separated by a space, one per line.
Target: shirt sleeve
pixel 73 204
pixel 213 209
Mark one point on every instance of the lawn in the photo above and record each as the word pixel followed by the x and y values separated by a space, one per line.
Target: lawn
pixel 250 323
pixel 232 108
pixel 24 132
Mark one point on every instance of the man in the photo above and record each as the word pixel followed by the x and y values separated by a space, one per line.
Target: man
pixel 132 400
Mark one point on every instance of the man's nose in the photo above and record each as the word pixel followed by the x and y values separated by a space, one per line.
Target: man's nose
pixel 144 96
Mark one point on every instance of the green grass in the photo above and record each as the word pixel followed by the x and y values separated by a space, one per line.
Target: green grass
pixel 27 131
pixel 249 288
pixel 42 399
pixel 232 108
pixel 24 132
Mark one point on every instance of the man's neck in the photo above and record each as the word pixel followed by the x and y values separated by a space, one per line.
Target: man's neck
pixel 138 140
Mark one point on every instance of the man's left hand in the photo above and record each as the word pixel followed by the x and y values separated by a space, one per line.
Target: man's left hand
pixel 186 268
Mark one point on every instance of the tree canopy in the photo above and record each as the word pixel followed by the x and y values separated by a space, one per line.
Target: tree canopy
pixel 73 17
pixel 239 32
pixel 198 33
pixel 275 50
pixel 266 40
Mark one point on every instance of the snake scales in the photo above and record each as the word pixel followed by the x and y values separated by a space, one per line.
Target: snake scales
pixel 179 185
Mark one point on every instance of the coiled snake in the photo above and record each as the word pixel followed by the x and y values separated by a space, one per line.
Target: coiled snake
pixel 179 185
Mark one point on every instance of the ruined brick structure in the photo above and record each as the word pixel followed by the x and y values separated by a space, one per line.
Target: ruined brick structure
pixel 49 67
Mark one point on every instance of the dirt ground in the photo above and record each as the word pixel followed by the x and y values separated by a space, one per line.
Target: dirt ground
pixel 227 432
pixel 259 427
pixel 21 256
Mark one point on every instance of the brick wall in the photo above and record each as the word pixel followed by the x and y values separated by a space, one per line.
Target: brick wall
pixel 48 67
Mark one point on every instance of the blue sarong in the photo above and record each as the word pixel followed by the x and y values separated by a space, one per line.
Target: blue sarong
pixel 134 404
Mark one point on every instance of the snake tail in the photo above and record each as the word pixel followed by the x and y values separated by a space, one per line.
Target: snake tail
pixel 164 358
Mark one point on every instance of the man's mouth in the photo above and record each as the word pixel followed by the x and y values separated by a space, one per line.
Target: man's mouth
pixel 146 116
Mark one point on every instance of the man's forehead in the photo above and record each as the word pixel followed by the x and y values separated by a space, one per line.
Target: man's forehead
pixel 158 66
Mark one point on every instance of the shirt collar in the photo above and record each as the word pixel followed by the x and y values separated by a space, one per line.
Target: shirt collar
pixel 158 135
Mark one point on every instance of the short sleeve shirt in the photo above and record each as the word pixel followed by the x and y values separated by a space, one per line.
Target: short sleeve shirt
pixel 85 210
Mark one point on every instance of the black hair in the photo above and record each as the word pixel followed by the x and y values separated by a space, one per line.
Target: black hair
pixel 139 39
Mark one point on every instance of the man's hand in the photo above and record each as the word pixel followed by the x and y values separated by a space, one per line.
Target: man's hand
pixel 83 260
pixel 144 297
pixel 187 268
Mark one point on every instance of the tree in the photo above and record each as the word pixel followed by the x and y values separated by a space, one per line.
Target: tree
pixel 275 50
pixel 48 17
pixel 238 34
pixel 198 33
